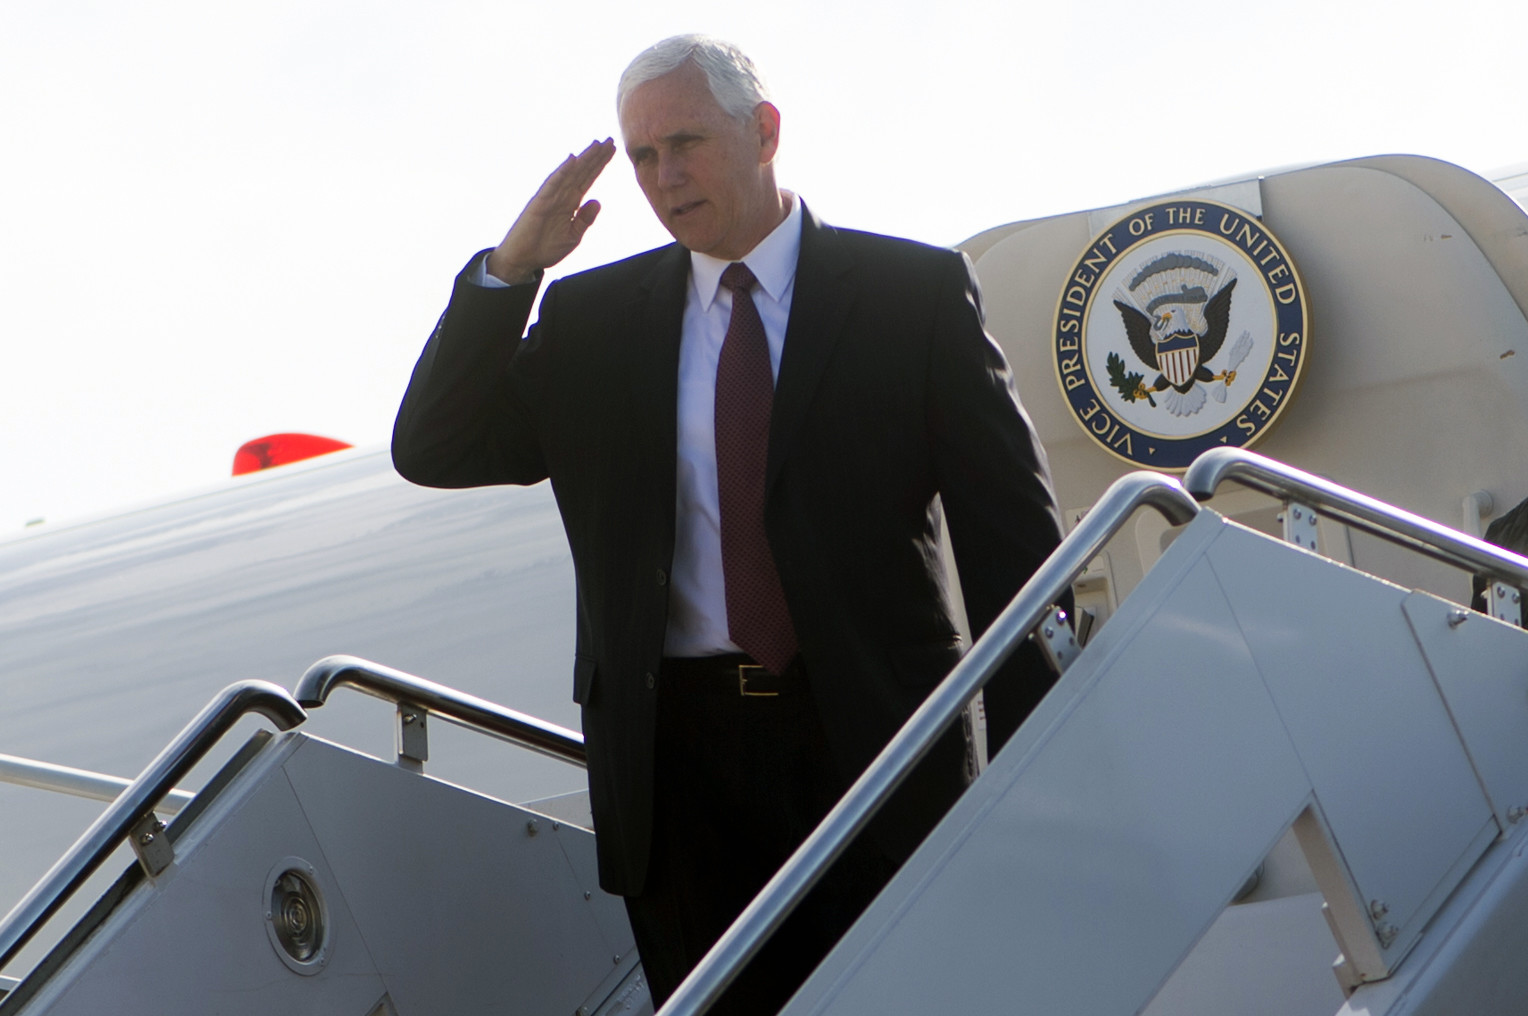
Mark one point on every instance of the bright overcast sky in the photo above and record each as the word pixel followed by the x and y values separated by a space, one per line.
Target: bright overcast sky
pixel 220 221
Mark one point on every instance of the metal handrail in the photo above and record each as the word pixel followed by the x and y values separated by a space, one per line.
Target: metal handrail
pixel 1269 476
pixel 777 899
pixel 27 772
pixel 449 704
pixel 179 756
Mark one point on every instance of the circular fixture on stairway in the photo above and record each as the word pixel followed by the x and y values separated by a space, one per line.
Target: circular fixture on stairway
pixel 296 920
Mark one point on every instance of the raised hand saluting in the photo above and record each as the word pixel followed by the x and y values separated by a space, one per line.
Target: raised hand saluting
pixel 554 221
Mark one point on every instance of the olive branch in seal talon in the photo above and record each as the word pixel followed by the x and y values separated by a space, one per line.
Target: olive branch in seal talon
pixel 1238 354
pixel 1128 385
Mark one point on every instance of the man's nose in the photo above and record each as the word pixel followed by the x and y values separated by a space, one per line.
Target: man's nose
pixel 671 171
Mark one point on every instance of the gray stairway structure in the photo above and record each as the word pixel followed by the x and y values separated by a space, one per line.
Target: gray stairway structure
pixel 434 899
pixel 1247 686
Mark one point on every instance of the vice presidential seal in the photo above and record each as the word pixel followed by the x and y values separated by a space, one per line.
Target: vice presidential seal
pixel 1182 328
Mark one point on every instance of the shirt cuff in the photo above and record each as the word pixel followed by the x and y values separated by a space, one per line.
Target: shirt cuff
pixel 479 276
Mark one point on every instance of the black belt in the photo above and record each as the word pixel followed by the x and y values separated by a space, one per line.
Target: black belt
pixel 733 674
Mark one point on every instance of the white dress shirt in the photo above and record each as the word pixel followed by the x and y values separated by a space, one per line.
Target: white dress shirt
pixel 697 616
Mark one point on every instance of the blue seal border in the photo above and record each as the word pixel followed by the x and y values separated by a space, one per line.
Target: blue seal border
pixel 1278 274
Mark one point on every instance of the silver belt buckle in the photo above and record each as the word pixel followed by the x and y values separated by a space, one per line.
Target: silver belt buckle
pixel 742 682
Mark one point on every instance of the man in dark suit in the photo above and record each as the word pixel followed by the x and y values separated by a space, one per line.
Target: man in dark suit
pixel 761 599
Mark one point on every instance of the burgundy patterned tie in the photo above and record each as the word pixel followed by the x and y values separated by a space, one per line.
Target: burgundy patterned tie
pixel 757 618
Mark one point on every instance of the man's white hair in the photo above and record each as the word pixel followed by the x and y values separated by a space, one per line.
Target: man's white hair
pixel 735 82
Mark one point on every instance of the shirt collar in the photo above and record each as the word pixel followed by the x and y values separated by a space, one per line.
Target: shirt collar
pixel 773 261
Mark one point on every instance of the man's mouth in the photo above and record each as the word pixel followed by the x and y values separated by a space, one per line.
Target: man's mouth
pixel 681 210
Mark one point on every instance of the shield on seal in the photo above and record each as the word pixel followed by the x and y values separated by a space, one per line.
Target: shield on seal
pixel 1178 357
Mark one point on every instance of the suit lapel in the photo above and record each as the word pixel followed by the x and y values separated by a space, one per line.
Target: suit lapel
pixel 821 302
pixel 658 320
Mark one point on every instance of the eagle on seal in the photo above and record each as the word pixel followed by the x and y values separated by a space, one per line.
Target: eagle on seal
pixel 1182 327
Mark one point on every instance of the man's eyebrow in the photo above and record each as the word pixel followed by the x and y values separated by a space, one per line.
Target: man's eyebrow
pixel 679 137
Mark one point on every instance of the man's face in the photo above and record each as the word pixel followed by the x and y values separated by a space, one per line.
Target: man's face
pixel 709 177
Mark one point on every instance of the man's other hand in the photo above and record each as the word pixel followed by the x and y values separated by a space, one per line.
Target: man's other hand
pixel 554 221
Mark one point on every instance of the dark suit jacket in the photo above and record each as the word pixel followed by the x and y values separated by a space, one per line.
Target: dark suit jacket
pixel 889 392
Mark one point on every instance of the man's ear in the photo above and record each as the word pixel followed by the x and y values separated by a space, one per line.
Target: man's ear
pixel 766 120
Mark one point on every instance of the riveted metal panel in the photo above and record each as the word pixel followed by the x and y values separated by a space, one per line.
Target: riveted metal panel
pixel 1107 836
pixel 1390 776
pixel 466 904
pixel 195 939
pixel 439 900
pixel 1481 669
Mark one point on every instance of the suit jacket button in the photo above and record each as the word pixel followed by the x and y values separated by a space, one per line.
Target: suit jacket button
pixel 662 577
pixel 649 677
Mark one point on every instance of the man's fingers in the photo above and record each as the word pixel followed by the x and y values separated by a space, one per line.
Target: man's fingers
pixel 591 162
pixel 569 182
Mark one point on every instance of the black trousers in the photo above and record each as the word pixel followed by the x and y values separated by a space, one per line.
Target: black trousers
pixel 740 782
